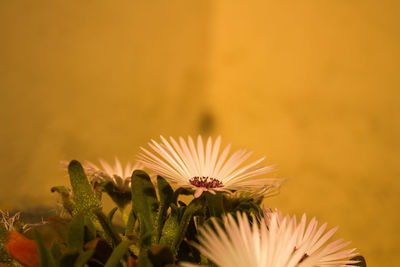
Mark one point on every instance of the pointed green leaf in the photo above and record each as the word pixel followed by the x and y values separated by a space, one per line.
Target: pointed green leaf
pixel 118 253
pixel 83 257
pixel 111 214
pixel 194 206
pixel 90 230
pixel 84 197
pixel 144 205
pixel 166 194
pixel 55 250
pixel 76 232
pixel 131 223
pixel 46 259
pixel 171 226
pixel 108 227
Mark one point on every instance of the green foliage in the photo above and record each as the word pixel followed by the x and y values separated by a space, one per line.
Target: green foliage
pixel 166 194
pixel 76 232
pixel 158 230
pixel 118 253
pixel 109 229
pixel 46 258
pixel 144 205
pixel 83 194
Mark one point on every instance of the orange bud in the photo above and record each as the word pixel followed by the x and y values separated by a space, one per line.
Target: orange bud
pixel 22 249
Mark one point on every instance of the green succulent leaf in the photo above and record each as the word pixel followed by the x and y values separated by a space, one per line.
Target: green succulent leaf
pixel 130 225
pixel 166 194
pixel 195 206
pixel 111 214
pixel 83 258
pixel 76 232
pixel 144 205
pixel 46 258
pixel 109 229
pixel 90 230
pixel 118 253
pixel 55 250
pixel 84 196
pixel 171 226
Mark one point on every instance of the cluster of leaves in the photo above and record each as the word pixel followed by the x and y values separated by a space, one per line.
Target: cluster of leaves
pixel 158 227
pixel 158 230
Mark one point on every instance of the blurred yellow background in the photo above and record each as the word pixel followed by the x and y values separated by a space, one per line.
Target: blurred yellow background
pixel 314 85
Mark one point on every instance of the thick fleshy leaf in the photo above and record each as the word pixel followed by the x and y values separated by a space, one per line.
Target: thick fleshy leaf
pixel 90 230
pixel 171 226
pixel 84 196
pixel 194 206
pixel 83 258
pixel 76 232
pixel 118 253
pixel 46 259
pixel 55 251
pixel 144 205
pixel 130 225
pixel 108 227
pixel 166 194
pixel 22 249
pixel 111 214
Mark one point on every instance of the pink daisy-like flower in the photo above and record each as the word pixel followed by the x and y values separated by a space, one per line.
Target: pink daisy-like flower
pixel 273 241
pixel 203 168
pixel 120 176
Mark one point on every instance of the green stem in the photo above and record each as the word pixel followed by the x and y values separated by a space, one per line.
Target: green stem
pixel 124 214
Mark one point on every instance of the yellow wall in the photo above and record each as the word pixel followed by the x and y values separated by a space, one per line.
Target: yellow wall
pixel 314 85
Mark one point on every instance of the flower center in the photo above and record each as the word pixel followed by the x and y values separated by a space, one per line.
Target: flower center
pixel 206 182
